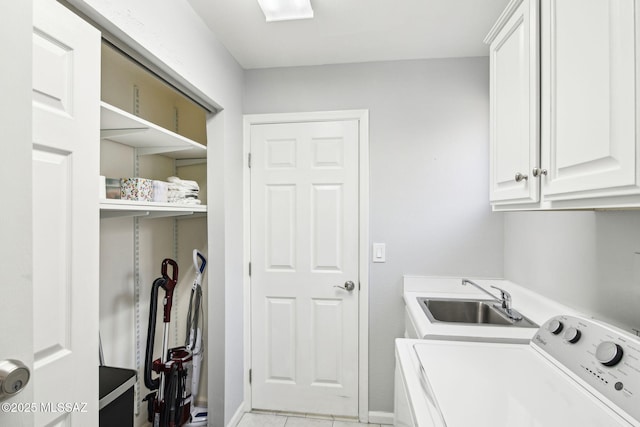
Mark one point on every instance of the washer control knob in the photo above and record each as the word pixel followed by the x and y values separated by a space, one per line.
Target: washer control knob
pixel 609 353
pixel 555 326
pixel 572 335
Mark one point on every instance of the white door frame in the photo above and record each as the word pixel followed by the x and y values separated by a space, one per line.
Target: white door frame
pixel 362 116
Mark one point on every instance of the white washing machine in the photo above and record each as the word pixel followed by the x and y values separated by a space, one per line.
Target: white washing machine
pixel 574 372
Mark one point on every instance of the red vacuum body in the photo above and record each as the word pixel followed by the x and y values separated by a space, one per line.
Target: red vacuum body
pixel 169 403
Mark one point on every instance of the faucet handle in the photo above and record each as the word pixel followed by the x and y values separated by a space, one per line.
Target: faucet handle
pixel 506 304
pixel 506 297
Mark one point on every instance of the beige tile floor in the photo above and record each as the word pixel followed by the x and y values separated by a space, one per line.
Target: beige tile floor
pixel 252 419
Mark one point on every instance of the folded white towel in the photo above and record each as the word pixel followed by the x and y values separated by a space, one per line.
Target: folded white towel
pixel 184 183
pixel 183 191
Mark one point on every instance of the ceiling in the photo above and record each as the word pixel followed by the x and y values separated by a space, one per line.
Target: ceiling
pixel 346 31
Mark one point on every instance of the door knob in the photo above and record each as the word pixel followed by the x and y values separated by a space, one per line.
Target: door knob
pixel 14 376
pixel 348 286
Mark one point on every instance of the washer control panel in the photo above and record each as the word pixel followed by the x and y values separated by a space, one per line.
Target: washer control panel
pixel 606 358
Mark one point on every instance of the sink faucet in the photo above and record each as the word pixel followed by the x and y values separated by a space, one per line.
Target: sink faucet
pixel 471 282
pixel 504 300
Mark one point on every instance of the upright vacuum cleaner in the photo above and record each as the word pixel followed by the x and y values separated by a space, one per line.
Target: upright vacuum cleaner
pixel 194 340
pixel 169 403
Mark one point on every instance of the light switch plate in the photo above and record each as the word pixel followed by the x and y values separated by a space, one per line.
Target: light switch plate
pixel 379 252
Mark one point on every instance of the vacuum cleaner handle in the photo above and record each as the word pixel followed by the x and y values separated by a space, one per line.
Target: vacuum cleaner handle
pixel 169 286
pixel 174 274
pixel 196 255
pixel 149 381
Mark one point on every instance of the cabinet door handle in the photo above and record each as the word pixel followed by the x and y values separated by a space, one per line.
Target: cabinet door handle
pixel 537 172
pixel 520 177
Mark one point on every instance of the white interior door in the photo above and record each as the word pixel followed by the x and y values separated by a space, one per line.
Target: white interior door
pixel 66 123
pixel 16 315
pixel 304 243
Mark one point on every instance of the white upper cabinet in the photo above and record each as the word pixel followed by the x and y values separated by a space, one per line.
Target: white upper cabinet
pixel 515 105
pixel 588 120
pixel 589 113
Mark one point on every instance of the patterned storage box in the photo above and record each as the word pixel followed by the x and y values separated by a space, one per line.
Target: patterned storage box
pixel 139 189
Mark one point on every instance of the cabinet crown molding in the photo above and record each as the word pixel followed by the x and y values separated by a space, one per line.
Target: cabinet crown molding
pixel 506 14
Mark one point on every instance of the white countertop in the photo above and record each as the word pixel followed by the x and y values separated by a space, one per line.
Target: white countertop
pixel 531 305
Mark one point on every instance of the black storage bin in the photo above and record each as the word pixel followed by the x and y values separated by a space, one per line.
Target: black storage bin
pixel 116 396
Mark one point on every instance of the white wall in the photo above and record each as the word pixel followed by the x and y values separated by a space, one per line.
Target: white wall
pixel 587 260
pixel 170 34
pixel 428 170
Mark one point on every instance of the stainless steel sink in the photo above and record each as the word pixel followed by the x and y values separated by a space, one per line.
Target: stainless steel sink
pixel 471 312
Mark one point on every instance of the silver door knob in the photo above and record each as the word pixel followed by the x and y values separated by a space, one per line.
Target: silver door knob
pixel 520 177
pixel 348 286
pixel 539 172
pixel 14 376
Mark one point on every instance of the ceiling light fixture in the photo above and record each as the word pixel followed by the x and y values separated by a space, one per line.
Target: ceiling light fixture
pixel 286 10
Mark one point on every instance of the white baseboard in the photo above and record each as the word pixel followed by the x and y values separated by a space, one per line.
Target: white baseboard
pixel 233 422
pixel 380 417
pixel 375 417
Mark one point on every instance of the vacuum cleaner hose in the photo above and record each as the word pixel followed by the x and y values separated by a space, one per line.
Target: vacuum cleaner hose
pixel 151 383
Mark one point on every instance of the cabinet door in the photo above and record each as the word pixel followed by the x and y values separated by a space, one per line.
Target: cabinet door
pixel 589 120
pixel 515 107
